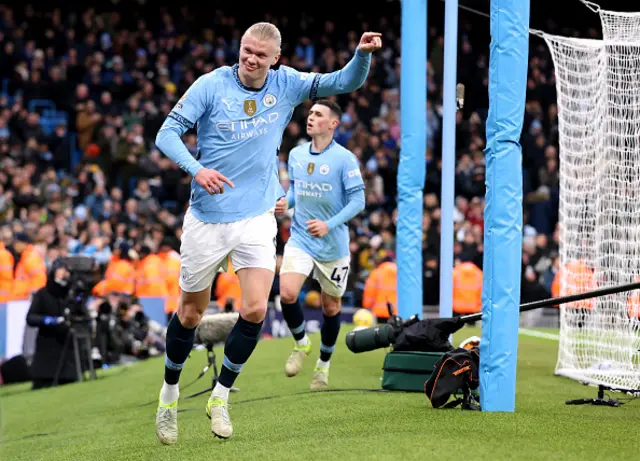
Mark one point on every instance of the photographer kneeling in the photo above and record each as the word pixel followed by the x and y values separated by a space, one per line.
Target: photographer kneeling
pixel 47 313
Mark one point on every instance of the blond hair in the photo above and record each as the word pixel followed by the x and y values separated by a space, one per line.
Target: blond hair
pixel 265 31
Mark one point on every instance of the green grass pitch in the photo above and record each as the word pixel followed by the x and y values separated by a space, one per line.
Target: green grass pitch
pixel 275 418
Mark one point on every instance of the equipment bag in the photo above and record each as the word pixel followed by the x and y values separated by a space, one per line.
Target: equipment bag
pixel 408 370
pixel 455 373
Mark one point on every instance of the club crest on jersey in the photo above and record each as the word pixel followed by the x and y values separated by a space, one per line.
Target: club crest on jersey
pixel 269 100
pixel 310 168
pixel 324 169
pixel 250 107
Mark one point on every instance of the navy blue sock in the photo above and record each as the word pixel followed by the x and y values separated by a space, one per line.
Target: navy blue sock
pixel 240 344
pixel 294 317
pixel 329 335
pixel 179 343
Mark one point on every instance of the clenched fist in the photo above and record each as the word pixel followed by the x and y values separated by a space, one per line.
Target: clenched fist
pixel 370 41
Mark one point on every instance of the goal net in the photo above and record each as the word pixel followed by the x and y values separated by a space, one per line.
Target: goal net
pixel 598 97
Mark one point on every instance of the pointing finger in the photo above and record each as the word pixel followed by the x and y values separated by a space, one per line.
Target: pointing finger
pixel 223 178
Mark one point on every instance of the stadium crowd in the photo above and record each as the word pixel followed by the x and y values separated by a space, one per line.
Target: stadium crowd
pixel 85 91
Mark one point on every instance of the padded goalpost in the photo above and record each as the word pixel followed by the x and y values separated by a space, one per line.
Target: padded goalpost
pixel 598 88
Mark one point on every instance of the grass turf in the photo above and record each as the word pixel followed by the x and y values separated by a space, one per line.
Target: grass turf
pixel 275 418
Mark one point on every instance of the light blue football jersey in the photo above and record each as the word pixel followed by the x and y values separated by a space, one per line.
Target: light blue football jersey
pixel 322 184
pixel 239 131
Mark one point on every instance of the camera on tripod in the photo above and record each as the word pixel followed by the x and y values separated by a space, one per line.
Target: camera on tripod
pixel 76 312
pixel 83 277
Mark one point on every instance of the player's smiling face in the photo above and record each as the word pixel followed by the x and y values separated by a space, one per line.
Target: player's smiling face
pixel 257 56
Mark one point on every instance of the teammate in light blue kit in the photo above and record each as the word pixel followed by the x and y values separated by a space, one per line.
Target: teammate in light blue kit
pixel 326 191
pixel 239 113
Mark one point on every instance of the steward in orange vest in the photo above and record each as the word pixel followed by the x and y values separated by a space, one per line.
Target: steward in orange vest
pixel 31 270
pixel 381 288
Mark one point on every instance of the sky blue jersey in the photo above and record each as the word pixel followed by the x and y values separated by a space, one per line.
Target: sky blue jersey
pixel 327 186
pixel 239 131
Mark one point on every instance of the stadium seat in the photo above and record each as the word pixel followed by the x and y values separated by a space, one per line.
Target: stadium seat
pixel 35 104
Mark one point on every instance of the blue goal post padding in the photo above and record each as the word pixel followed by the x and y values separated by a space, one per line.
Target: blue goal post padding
pixel 412 165
pixel 508 64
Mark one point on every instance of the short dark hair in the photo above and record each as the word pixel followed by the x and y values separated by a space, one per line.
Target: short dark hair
pixel 333 107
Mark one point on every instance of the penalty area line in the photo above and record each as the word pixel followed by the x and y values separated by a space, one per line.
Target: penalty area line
pixel 539 334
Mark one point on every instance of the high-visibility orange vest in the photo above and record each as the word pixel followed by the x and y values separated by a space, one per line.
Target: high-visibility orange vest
pixel 151 277
pixel 121 278
pixel 171 266
pixel 467 288
pixel 380 289
pixel 578 278
pixel 228 287
pixel 6 273
pixel 31 274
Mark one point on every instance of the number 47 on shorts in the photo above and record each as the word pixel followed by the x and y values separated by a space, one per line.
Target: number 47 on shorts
pixel 339 274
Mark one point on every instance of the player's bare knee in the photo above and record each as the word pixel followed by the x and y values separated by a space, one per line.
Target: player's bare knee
pixel 331 305
pixel 288 295
pixel 189 315
pixel 254 311
pixel 190 309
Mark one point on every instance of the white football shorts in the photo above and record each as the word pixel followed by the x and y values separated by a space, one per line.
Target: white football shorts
pixel 206 247
pixel 332 275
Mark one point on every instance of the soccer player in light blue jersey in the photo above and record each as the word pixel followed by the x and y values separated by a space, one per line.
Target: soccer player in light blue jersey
pixel 326 191
pixel 239 114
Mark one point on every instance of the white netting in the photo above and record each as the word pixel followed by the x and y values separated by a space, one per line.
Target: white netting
pixel 598 86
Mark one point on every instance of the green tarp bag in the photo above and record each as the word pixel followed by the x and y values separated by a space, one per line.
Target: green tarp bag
pixel 408 371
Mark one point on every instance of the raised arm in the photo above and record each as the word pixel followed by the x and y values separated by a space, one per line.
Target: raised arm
pixel 349 78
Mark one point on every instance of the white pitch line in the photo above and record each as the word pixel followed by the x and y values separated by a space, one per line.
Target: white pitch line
pixel 539 334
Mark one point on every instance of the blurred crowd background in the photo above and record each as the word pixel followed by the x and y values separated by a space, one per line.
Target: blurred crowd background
pixel 85 89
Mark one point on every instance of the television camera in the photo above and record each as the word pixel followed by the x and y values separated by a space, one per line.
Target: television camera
pixel 413 334
pixel 83 277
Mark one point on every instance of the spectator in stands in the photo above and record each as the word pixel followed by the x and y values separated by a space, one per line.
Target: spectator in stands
pixel 78 116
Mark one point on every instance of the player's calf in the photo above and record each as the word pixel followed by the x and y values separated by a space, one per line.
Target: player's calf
pixel 180 335
pixel 179 342
pixel 328 335
pixel 255 285
pixel 330 329
pixel 290 285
